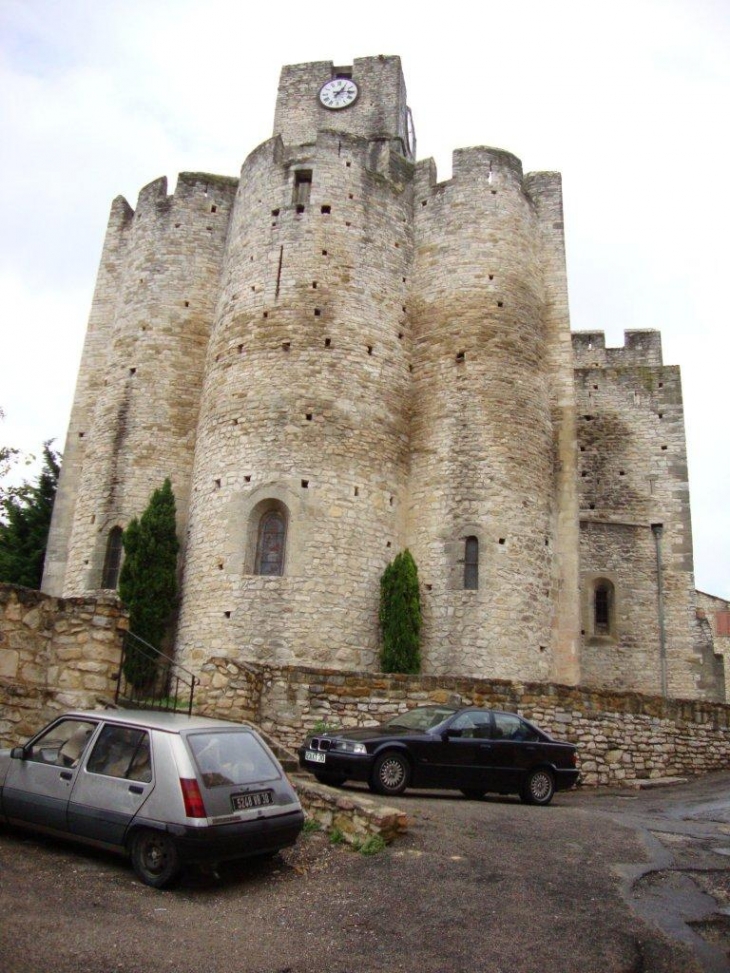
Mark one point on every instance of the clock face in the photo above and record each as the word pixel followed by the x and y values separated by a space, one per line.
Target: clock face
pixel 338 93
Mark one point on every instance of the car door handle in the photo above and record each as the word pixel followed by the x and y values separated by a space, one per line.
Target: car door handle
pixel 485 746
pixel 136 789
pixel 66 775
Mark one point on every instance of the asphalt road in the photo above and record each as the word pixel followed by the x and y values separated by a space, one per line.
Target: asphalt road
pixel 598 881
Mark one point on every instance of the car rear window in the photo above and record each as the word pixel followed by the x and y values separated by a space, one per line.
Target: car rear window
pixel 231 757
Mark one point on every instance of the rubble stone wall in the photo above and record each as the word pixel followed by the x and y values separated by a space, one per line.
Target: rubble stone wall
pixel 636 535
pixel 713 618
pixel 621 736
pixel 55 654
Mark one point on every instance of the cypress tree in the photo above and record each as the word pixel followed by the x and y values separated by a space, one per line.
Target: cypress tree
pixel 25 519
pixel 400 615
pixel 148 580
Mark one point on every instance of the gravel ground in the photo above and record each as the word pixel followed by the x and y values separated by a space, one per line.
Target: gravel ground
pixel 488 885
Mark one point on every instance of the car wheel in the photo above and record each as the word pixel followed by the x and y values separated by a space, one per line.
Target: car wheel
pixel 155 858
pixel 539 787
pixel 473 793
pixel 391 773
pixel 332 780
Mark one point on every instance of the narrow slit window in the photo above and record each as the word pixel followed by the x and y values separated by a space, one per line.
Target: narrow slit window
pixel 271 544
pixel 471 563
pixel 302 186
pixel 603 600
pixel 112 559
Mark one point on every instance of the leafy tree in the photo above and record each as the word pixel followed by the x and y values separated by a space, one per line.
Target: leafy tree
pixel 25 519
pixel 8 456
pixel 400 615
pixel 148 580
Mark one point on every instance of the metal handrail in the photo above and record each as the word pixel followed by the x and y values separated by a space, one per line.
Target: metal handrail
pixel 149 679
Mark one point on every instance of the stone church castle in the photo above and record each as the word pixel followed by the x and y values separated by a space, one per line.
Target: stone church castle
pixel 336 356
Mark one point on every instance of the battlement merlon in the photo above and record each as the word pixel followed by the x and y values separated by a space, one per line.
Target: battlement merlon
pixel 153 199
pixel 380 110
pixel 641 347
pixel 489 168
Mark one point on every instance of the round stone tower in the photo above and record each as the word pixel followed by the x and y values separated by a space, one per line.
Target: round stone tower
pixel 136 404
pixel 483 495
pixel 301 457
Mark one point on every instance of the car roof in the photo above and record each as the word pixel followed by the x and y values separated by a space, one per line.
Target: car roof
pixel 157 719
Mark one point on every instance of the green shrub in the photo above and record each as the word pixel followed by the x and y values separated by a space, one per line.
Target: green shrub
pixel 148 581
pixel 371 845
pixel 400 616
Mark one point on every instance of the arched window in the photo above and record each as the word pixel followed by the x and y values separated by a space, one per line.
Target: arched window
pixel 112 559
pixel 603 607
pixel 271 544
pixel 471 563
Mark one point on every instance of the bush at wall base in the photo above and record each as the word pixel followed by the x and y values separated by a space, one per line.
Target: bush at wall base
pixel 400 616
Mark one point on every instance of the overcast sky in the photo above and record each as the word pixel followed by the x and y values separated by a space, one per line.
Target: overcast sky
pixel 629 99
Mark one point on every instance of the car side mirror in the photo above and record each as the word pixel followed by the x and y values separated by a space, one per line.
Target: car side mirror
pixel 451 734
pixel 17 753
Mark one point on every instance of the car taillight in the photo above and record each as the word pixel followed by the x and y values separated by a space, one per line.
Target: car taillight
pixel 193 799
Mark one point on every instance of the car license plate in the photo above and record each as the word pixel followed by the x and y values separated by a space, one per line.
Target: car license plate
pixel 242 802
pixel 317 758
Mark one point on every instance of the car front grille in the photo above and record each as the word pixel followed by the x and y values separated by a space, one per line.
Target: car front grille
pixel 320 744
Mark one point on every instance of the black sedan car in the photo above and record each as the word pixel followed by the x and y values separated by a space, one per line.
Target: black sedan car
pixel 472 750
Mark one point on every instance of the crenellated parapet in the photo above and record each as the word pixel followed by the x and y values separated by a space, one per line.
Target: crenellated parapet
pixel 640 348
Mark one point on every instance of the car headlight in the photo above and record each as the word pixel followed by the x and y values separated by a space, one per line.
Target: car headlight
pixel 347 746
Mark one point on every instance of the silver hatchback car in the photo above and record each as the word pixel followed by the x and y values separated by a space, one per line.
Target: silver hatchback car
pixel 166 789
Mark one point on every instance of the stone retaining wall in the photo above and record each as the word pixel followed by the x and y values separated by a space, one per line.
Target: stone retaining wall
pixel 355 816
pixel 55 654
pixel 622 736
pixel 58 654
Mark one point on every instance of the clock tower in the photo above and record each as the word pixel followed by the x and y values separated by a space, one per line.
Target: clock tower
pixel 367 99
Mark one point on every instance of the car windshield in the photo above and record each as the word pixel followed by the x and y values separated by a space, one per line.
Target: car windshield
pixel 421 718
pixel 231 757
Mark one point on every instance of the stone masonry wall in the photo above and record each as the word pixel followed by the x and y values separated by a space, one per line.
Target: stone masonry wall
pixel 634 498
pixel 621 736
pixel 55 654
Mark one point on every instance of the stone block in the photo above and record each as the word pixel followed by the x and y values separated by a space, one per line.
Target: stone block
pixel 9 659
